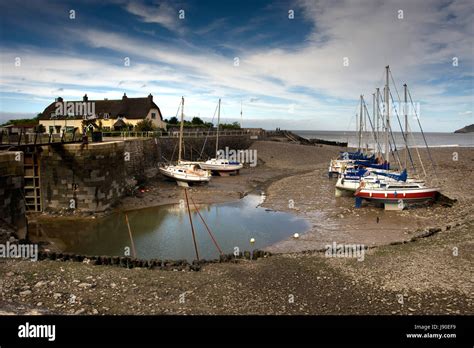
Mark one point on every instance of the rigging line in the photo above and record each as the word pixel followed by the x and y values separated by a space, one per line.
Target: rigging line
pixel 208 131
pixel 393 150
pixel 174 150
pixel 372 126
pixel 207 227
pixel 424 138
pixel 403 134
pixel 417 151
pixel 350 122
pixel 191 223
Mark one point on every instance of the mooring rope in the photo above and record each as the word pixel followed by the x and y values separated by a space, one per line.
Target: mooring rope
pixel 207 227
pixel 130 234
pixel 191 222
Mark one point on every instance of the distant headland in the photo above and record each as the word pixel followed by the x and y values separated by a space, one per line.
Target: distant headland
pixel 467 129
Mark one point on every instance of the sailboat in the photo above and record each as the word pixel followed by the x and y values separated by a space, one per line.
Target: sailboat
pixel 184 172
pixel 397 189
pixel 221 166
pixel 346 160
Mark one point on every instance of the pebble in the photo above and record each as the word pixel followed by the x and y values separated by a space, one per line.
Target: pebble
pixel 85 285
pixel 80 311
pixel 56 295
pixel 9 274
pixel 25 293
pixel 40 284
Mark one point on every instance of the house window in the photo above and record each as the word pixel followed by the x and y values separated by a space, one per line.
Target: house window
pixel 51 129
pixel 106 116
pixel 153 115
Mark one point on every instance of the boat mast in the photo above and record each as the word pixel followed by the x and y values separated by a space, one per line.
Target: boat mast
pixel 373 124
pixel 218 124
pixel 406 126
pixel 387 115
pixel 241 117
pixel 366 128
pixel 360 123
pixel 181 130
pixel 378 116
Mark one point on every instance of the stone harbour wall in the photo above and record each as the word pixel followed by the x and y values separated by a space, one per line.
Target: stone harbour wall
pixel 141 156
pixel 193 147
pixel 12 204
pixel 87 178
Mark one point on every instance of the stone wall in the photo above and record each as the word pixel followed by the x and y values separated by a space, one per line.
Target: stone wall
pixel 82 177
pixel 12 204
pixel 142 157
pixel 193 147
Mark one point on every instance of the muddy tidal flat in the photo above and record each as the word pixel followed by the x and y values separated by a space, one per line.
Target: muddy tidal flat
pixel 417 261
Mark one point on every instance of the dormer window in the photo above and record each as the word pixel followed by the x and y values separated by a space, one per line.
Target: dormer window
pixel 106 116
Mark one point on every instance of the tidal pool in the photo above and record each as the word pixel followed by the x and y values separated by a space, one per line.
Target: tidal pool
pixel 164 232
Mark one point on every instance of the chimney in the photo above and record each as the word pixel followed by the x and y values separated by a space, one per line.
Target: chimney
pixel 124 96
pixel 84 98
pixel 150 97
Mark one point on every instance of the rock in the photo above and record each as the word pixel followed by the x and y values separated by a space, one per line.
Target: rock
pixel 56 295
pixel 39 304
pixel 9 274
pixel 80 311
pixel 40 284
pixel 85 285
pixel 25 293
pixel 95 311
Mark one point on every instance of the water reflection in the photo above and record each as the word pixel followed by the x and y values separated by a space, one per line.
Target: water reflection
pixel 165 233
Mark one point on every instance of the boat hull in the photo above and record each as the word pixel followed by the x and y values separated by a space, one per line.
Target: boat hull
pixel 393 196
pixel 184 177
pixel 221 168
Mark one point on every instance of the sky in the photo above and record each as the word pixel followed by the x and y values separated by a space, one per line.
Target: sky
pixel 297 65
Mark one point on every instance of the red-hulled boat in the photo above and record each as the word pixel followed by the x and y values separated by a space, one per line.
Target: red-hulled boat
pixel 396 192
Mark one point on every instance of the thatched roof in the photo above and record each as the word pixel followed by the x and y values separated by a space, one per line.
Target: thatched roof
pixel 130 108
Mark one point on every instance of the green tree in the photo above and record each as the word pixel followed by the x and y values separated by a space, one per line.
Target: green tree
pixel 197 121
pixel 173 120
pixel 234 125
pixel 145 126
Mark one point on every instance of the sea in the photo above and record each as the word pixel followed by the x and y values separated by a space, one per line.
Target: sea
pixel 433 139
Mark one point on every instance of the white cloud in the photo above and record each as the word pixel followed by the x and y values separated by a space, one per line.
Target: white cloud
pixel 160 13
pixel 419 49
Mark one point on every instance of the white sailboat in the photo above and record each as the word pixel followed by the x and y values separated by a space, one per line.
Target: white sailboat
pixel 184 172
pixel 394 192
pixel 222 166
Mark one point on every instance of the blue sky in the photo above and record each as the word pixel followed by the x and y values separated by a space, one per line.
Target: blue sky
pixel 290 72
